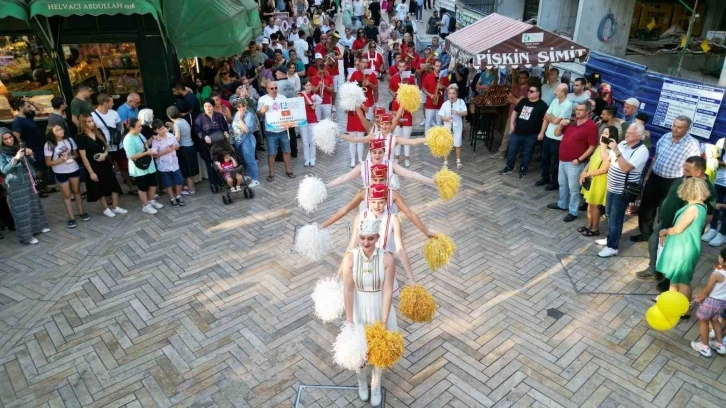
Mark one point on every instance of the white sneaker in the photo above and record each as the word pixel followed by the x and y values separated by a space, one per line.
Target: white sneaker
pixel 701 348
pixel 717 241
pixel 44 230
pixel 33 241
pixel 156 205
pixel 719 347
pixel 407 163
pixel 446 163
pixel 362 384
pixel 149 209
pixel 458 164
pixel 607 252
pixel 709 235
pixel 602 241
pixel 119 210
pixel 109 213
pixel 254 183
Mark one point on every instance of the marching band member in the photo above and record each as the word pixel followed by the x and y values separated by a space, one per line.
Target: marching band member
pixel 312 100
pixel 369 274
pixel 375 60
pixel 388 123
pixel 433 86
pixel 403 131
pixel 323 86
pixel 368 82
pixel 452 113
pixel 397 78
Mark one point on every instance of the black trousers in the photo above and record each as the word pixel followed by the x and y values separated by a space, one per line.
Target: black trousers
pixel 550 159
pixel 654 192
pixel 427 4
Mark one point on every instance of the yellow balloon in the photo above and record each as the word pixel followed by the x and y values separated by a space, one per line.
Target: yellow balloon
pixel 658 321
pixel 672 304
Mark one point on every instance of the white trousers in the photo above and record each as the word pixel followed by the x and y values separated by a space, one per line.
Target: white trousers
pixel 369 113
pixel 306 133
pixel 405 132
pixel 324 111
pixel 353 147
pixel 432 118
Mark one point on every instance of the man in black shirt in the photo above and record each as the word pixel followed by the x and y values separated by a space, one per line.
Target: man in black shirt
pixel 57 117
pixel 371 31
pixel 375 8
pixel 527 125
pixel 459 76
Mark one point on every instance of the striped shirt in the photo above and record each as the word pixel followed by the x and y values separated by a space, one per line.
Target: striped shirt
pixel 637 156
pixel 670 156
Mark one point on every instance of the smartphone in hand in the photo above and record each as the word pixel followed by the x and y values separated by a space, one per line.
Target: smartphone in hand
pixel 605 140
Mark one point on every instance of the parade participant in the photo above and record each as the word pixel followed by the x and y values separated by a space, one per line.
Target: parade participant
pixel 387 124
pixel 433 86
pixel 374 59
pixel 403 130
pixel 323 86
pixel 401 75
pixel 357 130
pixel 453 113
pixel 368 82
pixel 375 168
pixel 311 102
pixel 368 277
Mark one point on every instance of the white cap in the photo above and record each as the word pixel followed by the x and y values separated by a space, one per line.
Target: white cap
pixel 318 55
pixel 370 227
pixel 265 41
pixel 633 102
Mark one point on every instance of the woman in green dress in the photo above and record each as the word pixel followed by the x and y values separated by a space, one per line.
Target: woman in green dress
pixel 597 170
pixel 682 242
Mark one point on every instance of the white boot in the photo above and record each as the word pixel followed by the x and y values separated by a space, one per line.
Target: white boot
pixel 362 373
pixel 376 386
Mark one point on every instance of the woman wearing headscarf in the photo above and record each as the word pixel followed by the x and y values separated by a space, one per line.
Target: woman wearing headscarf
pixel 201 90
pixel 22 196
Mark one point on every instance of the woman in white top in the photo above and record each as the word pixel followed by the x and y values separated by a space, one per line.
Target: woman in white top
pixel 452 113
pixel 713 303
pixel 61 154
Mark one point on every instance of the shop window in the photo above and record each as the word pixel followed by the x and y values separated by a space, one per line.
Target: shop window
pixel 25 70
pixel 107 68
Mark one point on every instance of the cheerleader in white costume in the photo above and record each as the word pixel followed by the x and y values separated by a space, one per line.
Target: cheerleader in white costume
pixel 452 112
pixel 368 277
pixel 387 123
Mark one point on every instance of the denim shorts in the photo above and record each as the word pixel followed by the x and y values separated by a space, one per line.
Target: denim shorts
pixel 171 178
pixel 62 178
pixel 273 139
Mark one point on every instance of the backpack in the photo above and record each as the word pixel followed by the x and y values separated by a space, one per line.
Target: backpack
pixel 452 23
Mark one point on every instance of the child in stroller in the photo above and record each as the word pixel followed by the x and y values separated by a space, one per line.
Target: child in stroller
pixel 230 170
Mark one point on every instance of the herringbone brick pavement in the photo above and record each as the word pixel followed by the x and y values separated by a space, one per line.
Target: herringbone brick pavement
pixel 206 306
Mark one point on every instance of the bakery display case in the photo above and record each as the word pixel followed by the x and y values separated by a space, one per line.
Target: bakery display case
pixel 25 71
pixel 107 68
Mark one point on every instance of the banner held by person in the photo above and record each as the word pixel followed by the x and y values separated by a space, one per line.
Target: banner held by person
pixel 285 114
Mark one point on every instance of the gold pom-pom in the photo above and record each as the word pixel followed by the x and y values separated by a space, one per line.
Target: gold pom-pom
pixel 448 183
pixel 440 141
pixel 385 347
pixel 409 97
pixel 438 250
pixel 417 304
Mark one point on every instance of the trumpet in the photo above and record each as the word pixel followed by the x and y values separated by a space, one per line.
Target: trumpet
pixel 409 55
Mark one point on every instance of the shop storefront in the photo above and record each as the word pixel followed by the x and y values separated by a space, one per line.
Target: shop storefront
pixel 26 68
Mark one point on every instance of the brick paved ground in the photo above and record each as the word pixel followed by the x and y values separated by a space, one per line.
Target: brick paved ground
pixel 205 306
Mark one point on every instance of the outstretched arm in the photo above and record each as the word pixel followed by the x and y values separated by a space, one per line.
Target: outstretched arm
pixel 349 176
pixel 411 215
pixel 410 142
pixel 410 174
pixel 343 211
pixel 356 139
pixel 401 250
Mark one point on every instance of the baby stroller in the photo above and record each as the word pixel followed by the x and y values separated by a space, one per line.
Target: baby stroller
pixel 218 148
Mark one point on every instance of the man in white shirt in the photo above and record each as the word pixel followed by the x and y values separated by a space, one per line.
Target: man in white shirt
pixel 108 121
pixel 444 23
pixel 548 89
pixel 301 47
pixel 268 102
pixel 452 112
pixel 579 94
pixel 560 108
pixel 270 28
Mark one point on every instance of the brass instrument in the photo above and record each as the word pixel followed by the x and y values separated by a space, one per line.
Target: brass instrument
pixel 330 56
pixel 438 92
pixel 432 55
pixel 409 55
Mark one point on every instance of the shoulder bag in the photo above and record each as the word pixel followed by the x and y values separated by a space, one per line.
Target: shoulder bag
pixel 144 162
pixel 113 133
pixel 632 189
pixel 587 183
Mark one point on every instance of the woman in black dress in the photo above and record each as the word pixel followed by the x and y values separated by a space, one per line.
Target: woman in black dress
pixel 101 181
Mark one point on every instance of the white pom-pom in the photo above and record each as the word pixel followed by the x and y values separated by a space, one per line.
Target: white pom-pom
pixel 325 134
pixel 351 96
pixel 328 299
pixel 312 242
pixel 350 349
pixel 310 193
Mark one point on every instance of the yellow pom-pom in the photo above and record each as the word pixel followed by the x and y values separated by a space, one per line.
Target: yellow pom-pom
pixel 385 347
pixel 438 250
pixel 417 304
pixel 409 97
pixel 448 183
pixel 440 141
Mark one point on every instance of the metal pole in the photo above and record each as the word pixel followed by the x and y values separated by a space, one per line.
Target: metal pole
pixel 688 39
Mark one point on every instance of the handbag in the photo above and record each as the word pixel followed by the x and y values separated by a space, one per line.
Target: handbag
pixel 113 133
pixel 144 162
pixel 587 183
pixel 632 189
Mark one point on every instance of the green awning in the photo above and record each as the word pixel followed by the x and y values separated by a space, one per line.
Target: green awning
pixel 67 8
pixel 16 9
pixel 218 28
